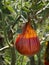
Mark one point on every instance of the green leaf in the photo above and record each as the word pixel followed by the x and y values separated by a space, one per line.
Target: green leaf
pixel 24 14
pixel 10 17
pixel 26 9
pixel 6 10
pixel 28 4
pixel 0 15
pixel 10 8
pixel 37 6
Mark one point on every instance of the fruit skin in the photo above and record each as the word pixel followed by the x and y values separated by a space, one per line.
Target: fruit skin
pixel 28 46
pixel 27 42
pixel 46 62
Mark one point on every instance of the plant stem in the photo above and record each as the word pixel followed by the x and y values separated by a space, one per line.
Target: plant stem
pixel 13 56
pixel 16 21
pixel 32 61
pixel 22 60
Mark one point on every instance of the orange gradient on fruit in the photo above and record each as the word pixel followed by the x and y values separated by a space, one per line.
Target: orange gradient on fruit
pixel 27 43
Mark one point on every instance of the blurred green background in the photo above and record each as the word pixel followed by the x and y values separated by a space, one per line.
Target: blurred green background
pixel 13 16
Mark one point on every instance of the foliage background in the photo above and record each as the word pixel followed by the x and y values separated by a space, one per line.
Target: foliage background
pixel 13 15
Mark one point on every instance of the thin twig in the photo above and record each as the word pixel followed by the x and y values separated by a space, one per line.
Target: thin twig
pixel 4 48
pixel 42 9
pixel 16 21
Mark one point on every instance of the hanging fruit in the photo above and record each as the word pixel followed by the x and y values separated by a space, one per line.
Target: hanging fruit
pixel 46 58
pixel 27 43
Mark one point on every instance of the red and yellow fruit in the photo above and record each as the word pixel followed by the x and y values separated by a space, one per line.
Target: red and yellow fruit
pixel 27 43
